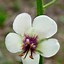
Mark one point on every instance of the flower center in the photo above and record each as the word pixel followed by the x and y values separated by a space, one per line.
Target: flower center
pixel 29 44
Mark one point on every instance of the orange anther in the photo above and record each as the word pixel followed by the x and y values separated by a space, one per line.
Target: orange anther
pixel 21 54
pixel 31 57
pixel 27 42
pixel 31 45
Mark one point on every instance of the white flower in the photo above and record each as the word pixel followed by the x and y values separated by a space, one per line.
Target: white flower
pixel 32 39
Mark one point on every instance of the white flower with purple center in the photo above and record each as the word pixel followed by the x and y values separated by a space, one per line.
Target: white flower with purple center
pixel 32 39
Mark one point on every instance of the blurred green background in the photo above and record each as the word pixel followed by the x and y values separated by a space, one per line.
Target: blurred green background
pixel 8 11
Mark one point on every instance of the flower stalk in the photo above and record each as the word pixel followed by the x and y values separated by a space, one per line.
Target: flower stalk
pixel 40 11
pixel 49 4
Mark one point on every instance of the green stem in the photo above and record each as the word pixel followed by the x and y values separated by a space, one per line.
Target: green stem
pixel 40 11
pixel 41 60
pixel 49 4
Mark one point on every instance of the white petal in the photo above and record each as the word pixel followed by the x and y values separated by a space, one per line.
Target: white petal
pixel 49 47
pixel 28 60
pixel 22 23
pixel 45 26
pixel 31 32
pixel 13 42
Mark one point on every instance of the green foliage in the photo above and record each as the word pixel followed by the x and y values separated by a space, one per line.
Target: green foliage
pixel 3 16
pixel 62 19
pixel 59 60
pixel 16 6
pixel 4 60
pixel 20 62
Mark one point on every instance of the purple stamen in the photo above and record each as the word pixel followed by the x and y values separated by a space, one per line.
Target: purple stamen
pixel 30 44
